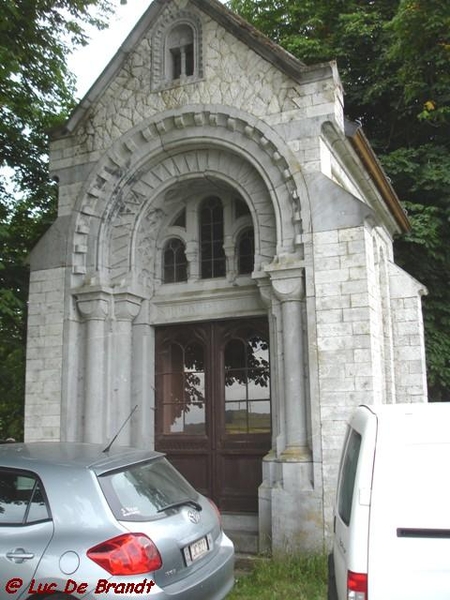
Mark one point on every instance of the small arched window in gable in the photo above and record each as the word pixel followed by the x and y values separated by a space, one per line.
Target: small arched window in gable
pixel 245 250
pixel 180 58
pixel 174 261
pixel 212 255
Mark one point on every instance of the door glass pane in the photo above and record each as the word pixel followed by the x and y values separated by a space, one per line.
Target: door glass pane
pixel 183 389
pixel 236 417
pixel 247 385
pixel 259 416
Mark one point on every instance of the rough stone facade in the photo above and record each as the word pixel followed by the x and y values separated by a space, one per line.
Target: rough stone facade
pixel 345 321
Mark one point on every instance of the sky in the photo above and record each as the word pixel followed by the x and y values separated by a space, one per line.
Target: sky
pixel 88 63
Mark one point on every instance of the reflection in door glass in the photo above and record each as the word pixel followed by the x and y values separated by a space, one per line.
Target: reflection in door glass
pixel 183 389
pixel 247 385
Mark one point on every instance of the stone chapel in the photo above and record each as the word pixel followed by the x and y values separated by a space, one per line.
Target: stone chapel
pixel 223 260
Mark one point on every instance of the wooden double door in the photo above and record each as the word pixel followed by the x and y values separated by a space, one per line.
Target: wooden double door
pixel 213 407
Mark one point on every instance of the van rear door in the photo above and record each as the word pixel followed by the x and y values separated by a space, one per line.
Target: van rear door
pixel 410 520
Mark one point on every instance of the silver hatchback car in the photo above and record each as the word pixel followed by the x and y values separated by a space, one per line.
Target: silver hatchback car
pixel 80 523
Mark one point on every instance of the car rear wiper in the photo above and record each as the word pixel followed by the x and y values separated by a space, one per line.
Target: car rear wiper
pixel 184 502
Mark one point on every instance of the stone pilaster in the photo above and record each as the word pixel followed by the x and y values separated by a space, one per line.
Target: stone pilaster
pixel 289 289
pixel 126 308
pixel 94 307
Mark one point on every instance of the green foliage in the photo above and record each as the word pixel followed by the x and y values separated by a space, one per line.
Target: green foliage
pixel 303 577
pixel 36 93
pixel 394 60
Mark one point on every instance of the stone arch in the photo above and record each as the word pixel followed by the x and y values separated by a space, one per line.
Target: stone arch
pixel 134 230
pixel 230 146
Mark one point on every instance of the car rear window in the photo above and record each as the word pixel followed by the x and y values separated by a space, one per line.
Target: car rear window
pixel 22 500
pixel 142 491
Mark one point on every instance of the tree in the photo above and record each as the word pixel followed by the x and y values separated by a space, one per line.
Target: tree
pixel 394 60
pixel 36 93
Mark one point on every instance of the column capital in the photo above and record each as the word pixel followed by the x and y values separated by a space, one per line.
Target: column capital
pixel 93 303
pixel 126 305
pixel 265 289
pixel 287 275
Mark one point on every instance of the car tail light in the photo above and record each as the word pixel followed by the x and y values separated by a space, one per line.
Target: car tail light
pixel 356 586
pixel 217 511
pixel 127 554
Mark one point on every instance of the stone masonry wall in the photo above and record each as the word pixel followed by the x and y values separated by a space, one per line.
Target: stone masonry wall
pixel 44 355
pixel 346 375
pixel 409 345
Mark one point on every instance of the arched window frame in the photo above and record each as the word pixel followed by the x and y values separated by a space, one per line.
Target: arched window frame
pixel 163 50
pixel 213 263
pixel 177 266
pixel 190 204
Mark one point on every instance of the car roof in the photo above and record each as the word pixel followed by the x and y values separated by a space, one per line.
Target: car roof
pixel 34 455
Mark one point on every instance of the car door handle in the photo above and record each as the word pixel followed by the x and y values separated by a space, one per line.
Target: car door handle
pixel 19 555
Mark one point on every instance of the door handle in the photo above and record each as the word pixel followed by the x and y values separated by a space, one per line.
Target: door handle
pixel 19 555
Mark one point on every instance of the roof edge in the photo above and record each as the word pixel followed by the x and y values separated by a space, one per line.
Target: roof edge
pixel 249 34
pixel 368 157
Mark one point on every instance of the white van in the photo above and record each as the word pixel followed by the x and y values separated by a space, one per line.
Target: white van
pixel 392 512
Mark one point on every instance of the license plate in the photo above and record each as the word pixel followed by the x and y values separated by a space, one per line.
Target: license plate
pixel 196 550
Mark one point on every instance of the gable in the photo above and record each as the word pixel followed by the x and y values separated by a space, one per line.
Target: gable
pixel 234 54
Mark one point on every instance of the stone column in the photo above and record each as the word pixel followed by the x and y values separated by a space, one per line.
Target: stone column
pixel 126 308
pixel 94 306
pixel 288 286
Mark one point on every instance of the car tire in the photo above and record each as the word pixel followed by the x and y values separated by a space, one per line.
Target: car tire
pixel 332 591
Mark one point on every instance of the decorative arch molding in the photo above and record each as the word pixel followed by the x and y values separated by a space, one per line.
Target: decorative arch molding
pixel 164 149
pixel 134 230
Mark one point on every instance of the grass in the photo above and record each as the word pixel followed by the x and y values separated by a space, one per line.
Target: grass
pixel 302 577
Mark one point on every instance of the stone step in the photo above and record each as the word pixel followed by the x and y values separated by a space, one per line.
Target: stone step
pixel 242 529
pixel 245 542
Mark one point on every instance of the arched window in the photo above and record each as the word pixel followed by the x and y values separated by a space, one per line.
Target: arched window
pixel 174 261
pixel 245 250
pixel 176 49
pixel 180 59
pixel 212 255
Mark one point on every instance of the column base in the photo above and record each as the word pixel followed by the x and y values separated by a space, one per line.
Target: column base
pixel 296 454
pixel 290 505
